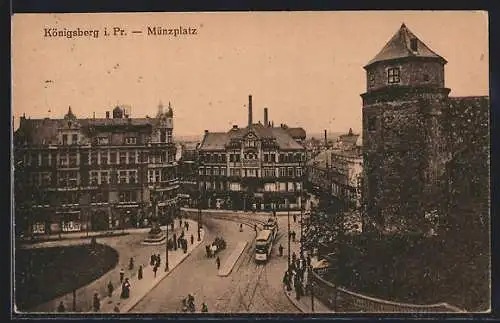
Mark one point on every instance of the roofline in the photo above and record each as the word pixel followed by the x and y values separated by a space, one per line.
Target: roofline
pixel 439 58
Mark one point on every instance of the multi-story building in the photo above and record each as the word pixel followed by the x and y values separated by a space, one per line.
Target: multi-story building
pixel 188 175
pixel 76 174
pixel 406 141
pixel 335 174
pixel 256 167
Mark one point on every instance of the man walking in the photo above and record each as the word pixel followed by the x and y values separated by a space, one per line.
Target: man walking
pixel 122 275
pixel 218 262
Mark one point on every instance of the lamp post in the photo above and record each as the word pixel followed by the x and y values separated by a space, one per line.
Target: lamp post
pixel 166 245
pixel 288 220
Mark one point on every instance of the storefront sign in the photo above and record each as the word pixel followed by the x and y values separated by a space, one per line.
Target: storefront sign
pixel 71 226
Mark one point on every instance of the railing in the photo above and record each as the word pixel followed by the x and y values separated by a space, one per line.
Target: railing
pixel 347 301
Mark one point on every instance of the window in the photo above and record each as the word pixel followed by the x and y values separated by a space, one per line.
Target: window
pixel 393 75
pixel 371 79
pixel 151 176
pixel 103 140
pixel 163 135
pixel 282 171
pixel 234 172
pixel 74 139
pixel 45 159
pixel 104 157
pixel 131 157
pixel 105 177
pixel 72 160
pixel 200 171
pixel 169 136
pixel 46 179
pixel 251 172
pixel 223 171
pixel 157 176
pixel 94 178
pixel 112 157
pixel 372 123
pixel 63 160
pixel 123 157
pixel 130 140
pixel 234 187
pixel 128 196
pixel 216 171
pixel 122 176
pixel 209 170
pixel 290 171
pixel 84 158
pixel 426 77
pixel 64 139
pixel 93 158
pixel 132 176
pixel 414 44
pixel 298 171
pixel 98 197
pixel 270 187
pixel 269 172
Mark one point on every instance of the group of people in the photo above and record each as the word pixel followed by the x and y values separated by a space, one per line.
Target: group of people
pixel 296 275
pixel 189 306
pixel 215 247
pixel 155 262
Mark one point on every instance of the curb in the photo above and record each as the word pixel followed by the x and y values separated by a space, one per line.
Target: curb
pixel 292 300
pixel 128 308
pixel 227 272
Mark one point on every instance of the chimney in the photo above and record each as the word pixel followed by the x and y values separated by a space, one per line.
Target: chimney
pixel 326 140
pixel 266 122
pixel 250 110
pixel 107 114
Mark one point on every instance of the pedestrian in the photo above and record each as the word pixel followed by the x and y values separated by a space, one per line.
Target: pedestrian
pixel 218 262
pixel 131 264
pixel 293 236
pixel 96 303
pixel 139 273
pixel 152 261
pixel 294 257
pixel 241 227
pixel 122 275
pixel 294 218
pixel 296 284
pixel 180 223
pixel 280 250
pixel 172 225
pixel 308 260
pixel 286 278
pixel 192 239
pixel 158 260
pixel 116 309
pixel 125 289
pixel 110 289
pixel 175 242
pixel 204 308
pixel 155 269
pixel 255 228
pixel 61 307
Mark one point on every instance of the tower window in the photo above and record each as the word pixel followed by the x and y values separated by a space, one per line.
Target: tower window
pixel 371 79
pixel 426 77
pixel 413 44
pixel 372 124
pixel 393 75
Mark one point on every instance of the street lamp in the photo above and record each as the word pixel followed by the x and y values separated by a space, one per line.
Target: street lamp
pixel 288 220
pixel 166 245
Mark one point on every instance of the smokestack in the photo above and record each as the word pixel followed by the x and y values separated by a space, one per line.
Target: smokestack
pixel 326 140
pixel 250 110
pixel 266 122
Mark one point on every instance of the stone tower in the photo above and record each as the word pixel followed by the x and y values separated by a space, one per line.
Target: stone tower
pixel 402 145
pixel 165 124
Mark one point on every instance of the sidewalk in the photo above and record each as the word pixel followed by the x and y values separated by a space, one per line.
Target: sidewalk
pixel 128 247
pixel 267 213
pixel 304 304
pixel 140 288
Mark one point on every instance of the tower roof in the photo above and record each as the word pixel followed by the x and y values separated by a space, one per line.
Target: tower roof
pixel 400 46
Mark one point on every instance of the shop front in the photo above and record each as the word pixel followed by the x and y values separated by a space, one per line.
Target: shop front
pixel 126 216
pixel 69 220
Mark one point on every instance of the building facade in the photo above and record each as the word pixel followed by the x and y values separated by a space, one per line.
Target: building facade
pixel 257 167
pixel 335 174
pixel 76 174
pixel 405 143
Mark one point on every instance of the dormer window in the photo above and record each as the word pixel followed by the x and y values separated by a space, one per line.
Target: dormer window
pixel 413 44
pixel 393 75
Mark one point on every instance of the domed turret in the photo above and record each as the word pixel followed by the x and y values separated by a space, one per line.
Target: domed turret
pixel 70 115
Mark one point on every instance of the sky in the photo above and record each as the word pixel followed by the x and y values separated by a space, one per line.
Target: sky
pixel 305 67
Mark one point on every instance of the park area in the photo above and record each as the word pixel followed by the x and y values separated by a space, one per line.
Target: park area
pixel 43 274
pixel 418 270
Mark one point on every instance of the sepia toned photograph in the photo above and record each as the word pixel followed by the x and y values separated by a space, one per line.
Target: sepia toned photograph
pixel 251 162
